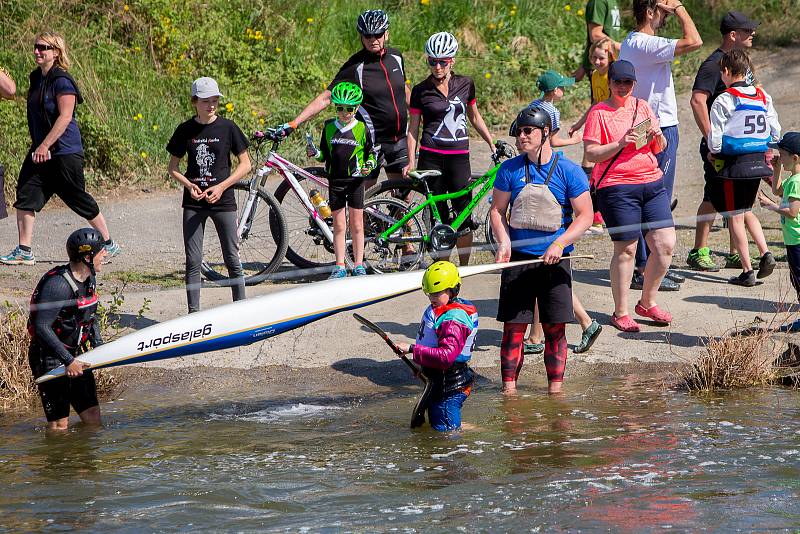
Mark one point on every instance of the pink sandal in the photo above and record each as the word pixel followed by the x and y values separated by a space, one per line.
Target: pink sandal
pixel 655 313
pixel 624 323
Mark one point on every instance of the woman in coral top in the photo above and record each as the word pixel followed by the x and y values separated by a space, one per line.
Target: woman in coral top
pixel 630 193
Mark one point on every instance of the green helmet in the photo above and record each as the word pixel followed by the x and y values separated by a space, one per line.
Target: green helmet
pixel 440 276
pixel 347 94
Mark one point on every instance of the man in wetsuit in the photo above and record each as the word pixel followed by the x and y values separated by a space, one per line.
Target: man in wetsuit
pixel 61 325
pixel 380 73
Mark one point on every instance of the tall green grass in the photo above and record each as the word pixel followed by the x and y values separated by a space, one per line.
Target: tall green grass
pixel 135 61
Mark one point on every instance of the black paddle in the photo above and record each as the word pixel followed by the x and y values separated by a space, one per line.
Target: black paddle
pixel 418 417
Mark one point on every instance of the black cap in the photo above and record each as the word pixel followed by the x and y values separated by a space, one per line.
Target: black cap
pixel 621 70
pixel 790 142
pixel 736 20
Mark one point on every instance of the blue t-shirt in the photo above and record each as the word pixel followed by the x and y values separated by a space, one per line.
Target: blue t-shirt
pixel 40 121
pixel 568 181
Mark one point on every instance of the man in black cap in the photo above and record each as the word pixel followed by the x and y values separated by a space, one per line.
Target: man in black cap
pixel 737 33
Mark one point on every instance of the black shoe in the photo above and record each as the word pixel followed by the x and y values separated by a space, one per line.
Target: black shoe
pixel 675 276
pixel 747 279
pixel 637 282
pixel 766 265
pixel 666 284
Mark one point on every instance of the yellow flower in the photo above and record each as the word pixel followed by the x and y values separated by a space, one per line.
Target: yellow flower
pixel 492 25
pixel 125 7
pixel 143 154
pixel 580 12
pixel 676 62
pixel 309 20
pixel 261 121
pixel 155 127
pixel 137 48
pixel 254 113
pixel 487 75
pixel 424 2
pixel 259 35
pixel 139 115
pixel 497 47
pixel 229 107
pixel 513 13
pixel 278 49
pixel 567 7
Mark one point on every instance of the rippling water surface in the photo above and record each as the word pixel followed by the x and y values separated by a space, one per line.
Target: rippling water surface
pixel 615 454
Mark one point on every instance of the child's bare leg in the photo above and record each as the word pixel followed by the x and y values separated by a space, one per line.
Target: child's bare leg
pixel 357 234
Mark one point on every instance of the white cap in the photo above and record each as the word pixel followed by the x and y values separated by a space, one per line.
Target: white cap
pixel 205 87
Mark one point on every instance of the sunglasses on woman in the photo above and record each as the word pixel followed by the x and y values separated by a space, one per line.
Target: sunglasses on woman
pixel 43 47
pixel 348 109
pixel 527 130
pixel 438 62
pixel 372 36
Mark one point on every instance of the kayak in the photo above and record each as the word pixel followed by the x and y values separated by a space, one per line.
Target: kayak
pixel 256 319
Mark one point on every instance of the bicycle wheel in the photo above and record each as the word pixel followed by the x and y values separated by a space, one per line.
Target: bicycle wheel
pixel 385 254
pixel 307 246
pixel 407 191
pixel 262 245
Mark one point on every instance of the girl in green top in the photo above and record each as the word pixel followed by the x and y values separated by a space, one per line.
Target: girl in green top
pixel 788 159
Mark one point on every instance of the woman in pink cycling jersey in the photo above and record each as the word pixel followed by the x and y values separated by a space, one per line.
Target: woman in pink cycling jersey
pixel 443 102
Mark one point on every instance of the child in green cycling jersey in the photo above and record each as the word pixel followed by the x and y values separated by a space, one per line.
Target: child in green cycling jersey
pixel 347 149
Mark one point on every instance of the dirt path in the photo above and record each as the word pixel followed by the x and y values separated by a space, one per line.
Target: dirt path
pixel 148 227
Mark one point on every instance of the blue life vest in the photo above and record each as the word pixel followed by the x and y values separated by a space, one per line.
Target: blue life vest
pixel 460 310
pixel 747 130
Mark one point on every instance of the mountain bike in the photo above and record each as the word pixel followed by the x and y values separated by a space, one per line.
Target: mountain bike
pixel 289 216
pixel 261 229
pixel 391 227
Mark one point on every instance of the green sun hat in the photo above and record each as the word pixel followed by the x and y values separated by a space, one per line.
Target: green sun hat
pixel 551 80
pixel 347 94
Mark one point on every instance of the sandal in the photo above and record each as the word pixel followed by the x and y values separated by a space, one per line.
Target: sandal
pixel 589 337
pixel 624 323
pixel 659 316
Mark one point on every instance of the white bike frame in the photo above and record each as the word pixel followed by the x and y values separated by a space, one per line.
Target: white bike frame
pixel 288 170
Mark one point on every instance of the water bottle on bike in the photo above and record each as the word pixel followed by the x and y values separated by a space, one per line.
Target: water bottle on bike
pixel 319 203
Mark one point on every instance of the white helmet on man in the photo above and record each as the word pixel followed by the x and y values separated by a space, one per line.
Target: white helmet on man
pixel 441 45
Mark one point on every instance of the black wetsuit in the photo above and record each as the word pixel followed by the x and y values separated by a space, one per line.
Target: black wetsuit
pixel 61 324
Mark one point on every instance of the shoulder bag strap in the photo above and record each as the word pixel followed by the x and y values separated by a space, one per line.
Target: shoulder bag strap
pixel 549 173
pixel 610 163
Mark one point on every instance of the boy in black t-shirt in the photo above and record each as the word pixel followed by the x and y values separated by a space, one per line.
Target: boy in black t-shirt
pixel 209 140
pixel 348 152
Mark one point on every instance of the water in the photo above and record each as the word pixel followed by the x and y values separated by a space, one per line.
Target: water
pixel 611 455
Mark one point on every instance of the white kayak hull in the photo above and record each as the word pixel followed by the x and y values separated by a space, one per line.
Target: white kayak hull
pixel 251 320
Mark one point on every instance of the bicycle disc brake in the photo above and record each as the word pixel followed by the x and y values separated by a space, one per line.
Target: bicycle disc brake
pixel 443 237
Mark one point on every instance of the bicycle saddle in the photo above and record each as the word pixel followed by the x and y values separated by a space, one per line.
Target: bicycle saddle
pixel 424 175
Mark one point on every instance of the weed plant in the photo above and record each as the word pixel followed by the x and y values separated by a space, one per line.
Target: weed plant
pixel 135 60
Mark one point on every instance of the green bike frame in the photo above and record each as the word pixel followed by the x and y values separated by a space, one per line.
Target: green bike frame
pixel 485 183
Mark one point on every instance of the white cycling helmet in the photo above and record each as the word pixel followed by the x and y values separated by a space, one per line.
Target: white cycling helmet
pixel 441 45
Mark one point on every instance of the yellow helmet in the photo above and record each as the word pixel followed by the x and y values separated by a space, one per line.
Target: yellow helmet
pixel 440 276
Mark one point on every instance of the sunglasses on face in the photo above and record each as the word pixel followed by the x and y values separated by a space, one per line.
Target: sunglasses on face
pixel 527 130
pixel 371 36
pixel 43 47
pixel 348 109
pixel 438 62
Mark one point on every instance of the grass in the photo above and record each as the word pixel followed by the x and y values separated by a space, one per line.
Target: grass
pixel 135 61
pixel 164 280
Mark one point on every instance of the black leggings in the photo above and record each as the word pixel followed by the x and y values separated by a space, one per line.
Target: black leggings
pixel 456 174
pixel 194 224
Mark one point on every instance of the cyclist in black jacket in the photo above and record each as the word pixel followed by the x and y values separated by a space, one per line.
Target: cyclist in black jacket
pixel 380 73
pixel 61 325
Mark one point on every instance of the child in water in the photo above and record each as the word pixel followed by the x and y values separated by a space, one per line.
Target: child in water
pixel 444 345
pixel 347 150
